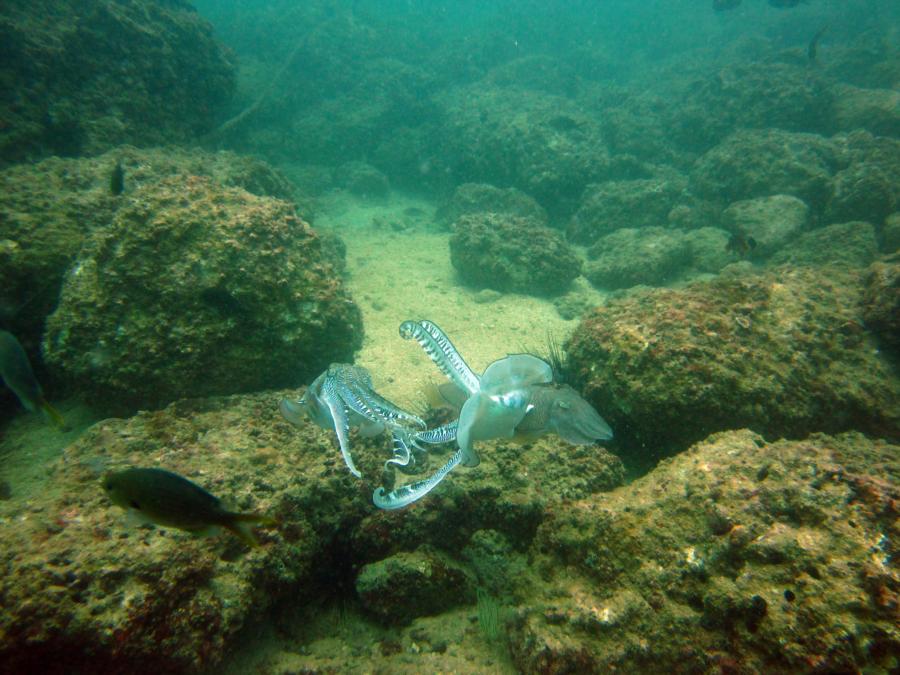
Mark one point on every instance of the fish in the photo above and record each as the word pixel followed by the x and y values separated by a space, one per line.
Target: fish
pixel 724 5
pixel 784 3
pixel 165 498
pixel 117 179
pixel 741 244
pixel 813 49
pixel 15 369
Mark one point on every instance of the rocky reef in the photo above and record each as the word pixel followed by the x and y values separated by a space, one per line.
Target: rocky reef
pixel 737 556
pixel 83 76
pixel 512 253
pixel 737 553
pixel 194 289
pixel 783 352
pixel 86 590
pixel 48 210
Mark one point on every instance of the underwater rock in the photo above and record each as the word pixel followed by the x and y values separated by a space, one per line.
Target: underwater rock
pixel 890 233
pixel 544 145
pixel 412 584
pixel 48 209
pixel 91 75
pixel 771 221
pixel 510 253
pixel 761 163
pixel 707 249
pixel 875 110
pixel 629 257
pixel 869 187
pixel 84 587
pixel 761 95
pixel 737 555
pixel 470 198
pixel 881 303
pixel 848 245
pixel 362 179
pixel 782 352
pixel 194 290
pixel 614 205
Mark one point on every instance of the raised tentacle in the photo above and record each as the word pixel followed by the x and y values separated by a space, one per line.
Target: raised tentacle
pixel 407 494
pixel 440 350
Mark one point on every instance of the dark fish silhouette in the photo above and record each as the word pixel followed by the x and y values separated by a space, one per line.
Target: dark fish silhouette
pixel 813 49
pixel 15 369
pixel 784 3
pixel 725 5
pixel 165 498
pixel 117 179
pixel 741 244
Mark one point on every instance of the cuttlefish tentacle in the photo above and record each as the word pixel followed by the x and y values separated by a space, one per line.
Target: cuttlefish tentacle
pixel 440 350
pixel 339 414
pixel 407 494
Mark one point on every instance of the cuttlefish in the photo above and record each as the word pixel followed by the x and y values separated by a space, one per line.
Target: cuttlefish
pixel 515 396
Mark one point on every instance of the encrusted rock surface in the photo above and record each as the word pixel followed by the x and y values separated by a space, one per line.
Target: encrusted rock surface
pixel 784 353
pixel 410 584
pixel 509 253
pixel 194 290
pixel 544 145
pixel 750 164
pixel 90 75
pixel 737 556
pixel 48 209
pixel 881 303
pixel 632 256
pixel 85 591
pixel 848 245
pixel 772 221
pixel 471 198
pixel 614 205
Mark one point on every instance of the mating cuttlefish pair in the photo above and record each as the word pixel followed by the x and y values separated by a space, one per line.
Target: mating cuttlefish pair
pixel 515 396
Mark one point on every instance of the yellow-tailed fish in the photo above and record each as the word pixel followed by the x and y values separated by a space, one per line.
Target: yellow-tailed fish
pixel 18 376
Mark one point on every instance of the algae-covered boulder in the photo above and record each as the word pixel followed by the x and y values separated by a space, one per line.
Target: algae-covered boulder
pixel 193 290
pixel 850 245
pixel 783 353
pixel 48 209
pixel 541 144
pixel 750 164
pixel 89 75
pixel 628 257
pixel 471 198
pixel 771 221
pixel 761 95
pixel 868 188
pixel 875 110
pixel 509 253
pixel 737 556
pixel 410 584
pixel 615 205
pixel 881 303
pixel 85 590
pixel 707 249
pixel 890 233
